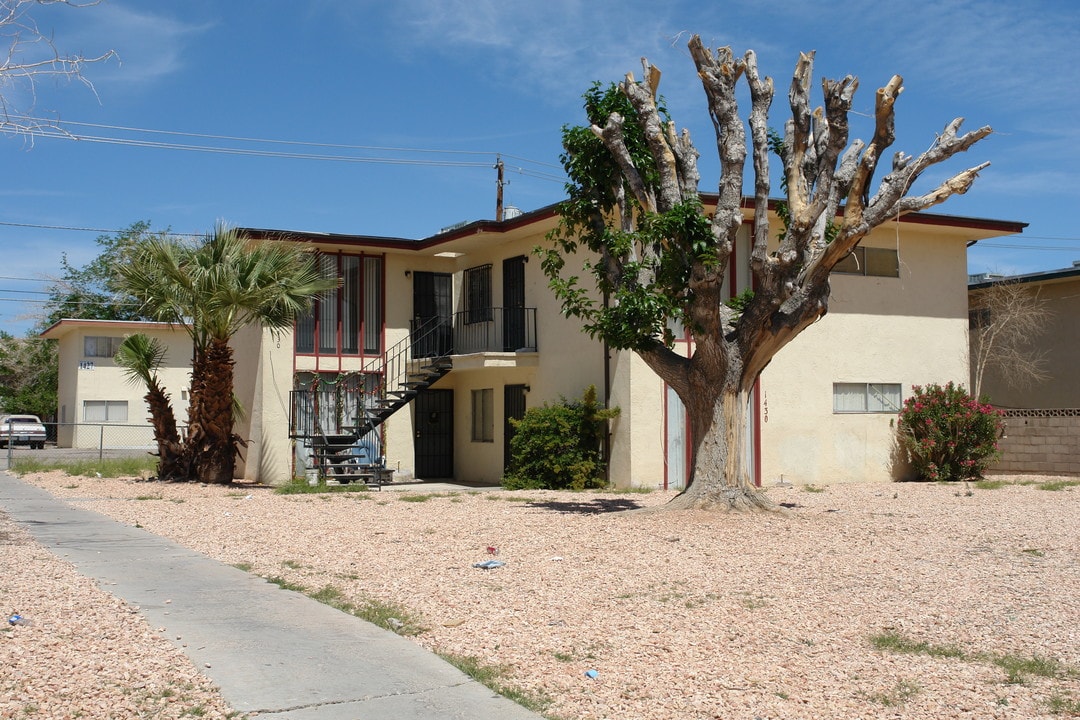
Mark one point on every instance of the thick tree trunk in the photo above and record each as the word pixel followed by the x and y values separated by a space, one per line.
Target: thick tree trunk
pixel 721 476
pixel 173 460
pixel 211 433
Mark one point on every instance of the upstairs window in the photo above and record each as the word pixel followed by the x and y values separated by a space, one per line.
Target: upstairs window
pixel 348 319
pixel 99 346
pixel 870 261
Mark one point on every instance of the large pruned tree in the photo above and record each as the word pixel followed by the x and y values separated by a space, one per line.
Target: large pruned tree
pixel 658 259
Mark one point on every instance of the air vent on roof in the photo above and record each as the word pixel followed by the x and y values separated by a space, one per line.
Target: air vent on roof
pixel 455 226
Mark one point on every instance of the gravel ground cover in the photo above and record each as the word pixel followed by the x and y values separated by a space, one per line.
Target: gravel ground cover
pixel 856 601
pixel 83 653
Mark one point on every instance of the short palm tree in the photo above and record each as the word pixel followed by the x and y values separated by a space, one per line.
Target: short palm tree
pixel 212 289
pixel 140 356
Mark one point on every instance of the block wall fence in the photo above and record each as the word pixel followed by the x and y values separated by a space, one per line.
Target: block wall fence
pixel 1045 442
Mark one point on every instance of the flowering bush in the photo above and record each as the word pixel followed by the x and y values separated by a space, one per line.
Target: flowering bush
pixel 947 434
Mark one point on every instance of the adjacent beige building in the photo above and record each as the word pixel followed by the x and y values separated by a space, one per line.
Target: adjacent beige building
pixel 96 403
pixel 461 332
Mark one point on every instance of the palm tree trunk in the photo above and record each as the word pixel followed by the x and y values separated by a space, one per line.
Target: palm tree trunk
pixel 173 463
pixel 211 412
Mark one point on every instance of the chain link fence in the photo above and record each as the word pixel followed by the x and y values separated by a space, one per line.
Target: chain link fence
pixel 75 442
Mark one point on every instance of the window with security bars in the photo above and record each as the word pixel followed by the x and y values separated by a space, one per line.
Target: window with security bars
pixel 348 319
pixel 867 397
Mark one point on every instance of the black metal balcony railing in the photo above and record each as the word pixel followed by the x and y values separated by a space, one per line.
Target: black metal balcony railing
pixel 479 330
pixel 495 330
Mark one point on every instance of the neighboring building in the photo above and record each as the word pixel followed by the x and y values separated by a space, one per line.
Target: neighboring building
pixel 472 305
pixel 1059 341
pixel 93 392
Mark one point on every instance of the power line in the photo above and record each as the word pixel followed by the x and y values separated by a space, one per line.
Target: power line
pixel 62 134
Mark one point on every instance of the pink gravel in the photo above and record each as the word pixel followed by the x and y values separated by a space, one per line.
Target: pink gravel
pixel 682 616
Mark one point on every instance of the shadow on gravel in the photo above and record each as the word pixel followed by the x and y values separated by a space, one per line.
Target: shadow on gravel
pixel 588 507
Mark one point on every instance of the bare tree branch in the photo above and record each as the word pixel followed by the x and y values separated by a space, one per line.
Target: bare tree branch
pixel 31 56
pixel 1006 320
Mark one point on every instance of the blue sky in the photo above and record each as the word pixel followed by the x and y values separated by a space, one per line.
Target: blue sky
pixel 448 84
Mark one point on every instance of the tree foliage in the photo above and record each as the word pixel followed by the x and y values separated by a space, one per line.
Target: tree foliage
pixel 92 291
pixel 140 357
pixel 28 374
pixel 654 258
pixel 212 289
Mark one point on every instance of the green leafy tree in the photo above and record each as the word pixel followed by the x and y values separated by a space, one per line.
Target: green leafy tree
pixel 92 292
pixel 28 375
pixel 654 259
pixel 212 289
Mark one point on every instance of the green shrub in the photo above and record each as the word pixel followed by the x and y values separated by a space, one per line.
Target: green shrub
pixel 558 447
pixel 947 434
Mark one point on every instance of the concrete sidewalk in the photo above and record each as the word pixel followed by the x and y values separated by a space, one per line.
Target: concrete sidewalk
pixel 270 651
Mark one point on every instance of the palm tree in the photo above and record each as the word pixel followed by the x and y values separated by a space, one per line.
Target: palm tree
pixel 212 289
pixel 141 356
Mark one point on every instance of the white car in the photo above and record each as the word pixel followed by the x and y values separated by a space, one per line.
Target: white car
pixel 22 430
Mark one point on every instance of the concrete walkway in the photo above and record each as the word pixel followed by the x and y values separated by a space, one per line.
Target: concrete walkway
pixel 270 651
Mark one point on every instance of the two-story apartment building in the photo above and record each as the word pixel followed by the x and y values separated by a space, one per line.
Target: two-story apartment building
pixel 442 340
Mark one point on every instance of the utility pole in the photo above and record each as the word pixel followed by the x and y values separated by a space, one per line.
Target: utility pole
pixel 499 182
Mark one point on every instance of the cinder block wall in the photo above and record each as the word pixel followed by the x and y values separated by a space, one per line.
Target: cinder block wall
pixel 1040 442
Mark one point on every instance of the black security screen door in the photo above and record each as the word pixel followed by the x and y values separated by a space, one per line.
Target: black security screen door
pixel 432 322
pixel 513 303
pixel 434 423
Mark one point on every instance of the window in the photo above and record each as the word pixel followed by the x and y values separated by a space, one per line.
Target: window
pixel 478 294
pixel 870 261
pixel 98 346
pixel 103 411
pixel 347 320
pixel 483 415
pixel 866 397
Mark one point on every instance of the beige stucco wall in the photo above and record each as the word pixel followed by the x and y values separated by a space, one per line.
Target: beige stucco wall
pixel 1061 343
pixel 83 378
pixel 910 330
pixel 262 379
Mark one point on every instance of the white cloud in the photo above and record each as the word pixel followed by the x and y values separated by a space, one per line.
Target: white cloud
pixel 150 45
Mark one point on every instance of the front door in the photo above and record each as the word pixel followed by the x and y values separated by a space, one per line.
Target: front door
pixel 432 322
pixel 434 425
pixel 514 303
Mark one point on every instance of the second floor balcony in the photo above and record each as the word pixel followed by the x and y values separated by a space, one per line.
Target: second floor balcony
pixel 481 330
